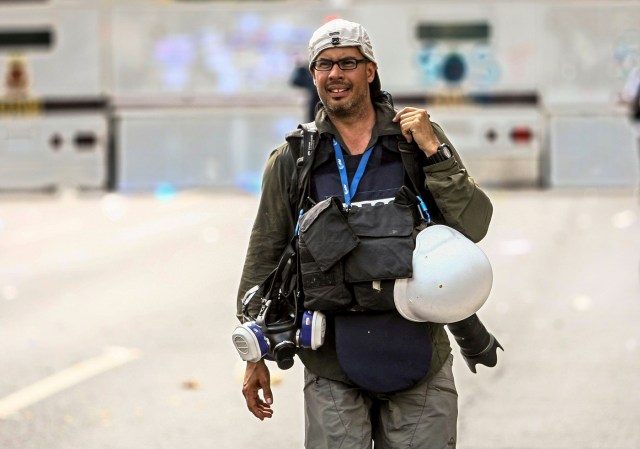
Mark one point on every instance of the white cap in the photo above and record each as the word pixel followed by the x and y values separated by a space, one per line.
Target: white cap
pixel 340 33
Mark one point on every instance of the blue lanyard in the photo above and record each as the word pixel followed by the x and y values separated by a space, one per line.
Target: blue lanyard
pixel 350 191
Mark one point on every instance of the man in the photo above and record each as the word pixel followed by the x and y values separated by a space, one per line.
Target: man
pixel 377 377
pixel 630 95
pixel 301 77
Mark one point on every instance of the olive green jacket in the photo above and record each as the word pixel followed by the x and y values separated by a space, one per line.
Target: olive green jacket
pixel 463 205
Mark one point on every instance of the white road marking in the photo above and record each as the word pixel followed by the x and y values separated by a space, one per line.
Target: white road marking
pixel 113 357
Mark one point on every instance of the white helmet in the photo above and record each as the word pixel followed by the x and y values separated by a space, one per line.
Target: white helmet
pixel 452 278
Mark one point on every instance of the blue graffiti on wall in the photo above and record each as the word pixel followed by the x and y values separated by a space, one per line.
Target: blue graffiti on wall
pixel 474 66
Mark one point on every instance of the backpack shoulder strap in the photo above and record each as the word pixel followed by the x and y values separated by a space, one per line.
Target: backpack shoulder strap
pixel 302 142
pixel 409 153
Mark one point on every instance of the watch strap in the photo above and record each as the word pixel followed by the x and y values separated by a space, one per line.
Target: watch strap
pixel 442 154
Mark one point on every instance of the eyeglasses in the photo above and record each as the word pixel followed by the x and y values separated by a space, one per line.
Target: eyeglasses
pixel 324 65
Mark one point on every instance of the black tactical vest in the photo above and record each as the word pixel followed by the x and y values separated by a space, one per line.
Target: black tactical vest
pixel 350 258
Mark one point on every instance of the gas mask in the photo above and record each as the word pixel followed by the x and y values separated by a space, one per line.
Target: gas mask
pixel 278 334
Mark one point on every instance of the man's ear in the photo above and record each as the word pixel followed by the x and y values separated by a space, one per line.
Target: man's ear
pixel 372 68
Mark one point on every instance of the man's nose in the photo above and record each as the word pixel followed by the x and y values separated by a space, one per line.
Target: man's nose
pixel 336 72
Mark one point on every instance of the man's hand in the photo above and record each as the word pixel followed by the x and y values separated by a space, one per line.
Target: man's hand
pixel 256 378
pixel 416 126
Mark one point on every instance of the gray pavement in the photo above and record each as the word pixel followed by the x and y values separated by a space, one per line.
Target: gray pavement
pixel 120 308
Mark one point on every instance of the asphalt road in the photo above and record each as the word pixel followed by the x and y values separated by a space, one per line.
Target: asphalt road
pixel 116 313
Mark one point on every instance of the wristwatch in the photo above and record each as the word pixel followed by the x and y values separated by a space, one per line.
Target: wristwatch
pixel 442 154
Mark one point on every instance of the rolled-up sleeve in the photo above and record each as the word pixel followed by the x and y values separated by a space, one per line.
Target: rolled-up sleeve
pixel 463 204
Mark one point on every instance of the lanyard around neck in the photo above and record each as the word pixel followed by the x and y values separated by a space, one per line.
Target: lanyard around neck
pixel 350 190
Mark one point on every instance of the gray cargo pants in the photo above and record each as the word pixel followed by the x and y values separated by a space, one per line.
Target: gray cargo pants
pixel 342 416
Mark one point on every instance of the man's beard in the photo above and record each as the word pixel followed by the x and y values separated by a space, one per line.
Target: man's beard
pixel 341 110
pixel 351 108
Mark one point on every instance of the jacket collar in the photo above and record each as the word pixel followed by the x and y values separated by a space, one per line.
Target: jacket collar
pixel 383 127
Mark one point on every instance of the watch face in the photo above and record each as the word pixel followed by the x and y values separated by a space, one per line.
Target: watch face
pixel 446 151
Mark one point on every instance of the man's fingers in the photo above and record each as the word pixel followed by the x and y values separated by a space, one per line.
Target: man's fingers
pixel 407 134
pixel 268 396
pixel 260 409
pixel 416 126
pixel 402 113
pixel 265 410
pixel 407 124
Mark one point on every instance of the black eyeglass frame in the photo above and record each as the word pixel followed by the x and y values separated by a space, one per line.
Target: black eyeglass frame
pixel 314 64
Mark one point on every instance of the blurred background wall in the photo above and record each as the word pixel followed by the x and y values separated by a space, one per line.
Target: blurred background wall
pixel 145 95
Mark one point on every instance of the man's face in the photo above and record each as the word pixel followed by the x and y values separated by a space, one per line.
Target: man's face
pixel 344 92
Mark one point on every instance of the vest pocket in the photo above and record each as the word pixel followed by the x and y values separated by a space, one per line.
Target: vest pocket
pixel 375 295
pixel 385 253
pixel 356 255
pixel 323 290
pixel 380 258
pixel 386 243
pixel 326 233
pixel 325 238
